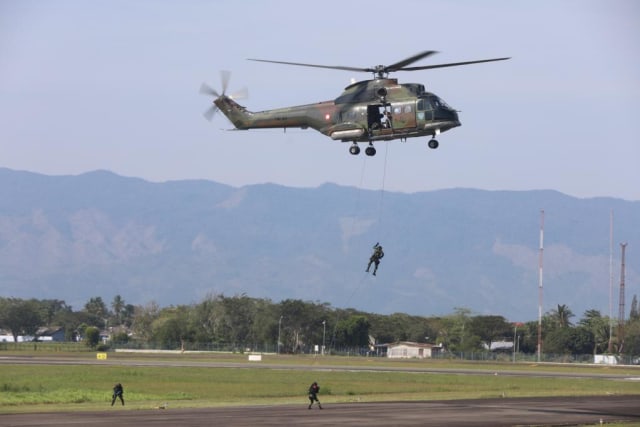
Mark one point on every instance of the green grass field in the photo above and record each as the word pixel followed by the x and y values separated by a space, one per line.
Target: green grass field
pixel 36 388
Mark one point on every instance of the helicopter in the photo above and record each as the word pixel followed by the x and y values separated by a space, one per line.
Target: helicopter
pixel 380 109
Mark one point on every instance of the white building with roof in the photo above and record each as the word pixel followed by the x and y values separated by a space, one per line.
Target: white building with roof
pixel 412 350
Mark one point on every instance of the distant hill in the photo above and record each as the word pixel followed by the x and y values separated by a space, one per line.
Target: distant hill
pixel 100 234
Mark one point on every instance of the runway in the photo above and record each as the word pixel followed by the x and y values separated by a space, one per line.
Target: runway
pixel 551 411
pixel 52 361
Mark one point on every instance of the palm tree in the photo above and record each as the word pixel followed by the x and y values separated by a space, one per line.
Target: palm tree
pixel 118 305
pixel 598 327
pixel 561 315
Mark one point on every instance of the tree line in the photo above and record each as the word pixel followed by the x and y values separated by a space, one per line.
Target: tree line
pixel 241 323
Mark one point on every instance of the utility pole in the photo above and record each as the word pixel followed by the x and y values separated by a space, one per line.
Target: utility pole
pixel 623 246
pixel 540 285
pixel 324 331
pixel 278 345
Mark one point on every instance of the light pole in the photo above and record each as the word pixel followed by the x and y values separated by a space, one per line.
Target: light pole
pixel 515 329
pixel 324 330
pixel 278 345
pixel 516 339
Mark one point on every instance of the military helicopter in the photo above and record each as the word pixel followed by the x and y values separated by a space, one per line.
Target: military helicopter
pixel 380 109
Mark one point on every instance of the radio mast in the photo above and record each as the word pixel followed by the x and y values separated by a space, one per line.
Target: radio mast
pixel 623 246
pixel 540 285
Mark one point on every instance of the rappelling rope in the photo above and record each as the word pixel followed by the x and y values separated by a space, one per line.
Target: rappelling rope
pixel 358 195
pixel 384 178
pixel 353 223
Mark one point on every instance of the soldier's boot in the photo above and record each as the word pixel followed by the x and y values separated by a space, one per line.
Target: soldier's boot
pixel 319 405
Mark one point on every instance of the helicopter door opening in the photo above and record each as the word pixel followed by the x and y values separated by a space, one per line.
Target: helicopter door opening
pixel 373 117
pixel 378 117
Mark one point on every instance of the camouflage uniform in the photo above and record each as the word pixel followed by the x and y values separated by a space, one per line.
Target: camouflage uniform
pixel 375 258
pixel 118 392
pixel 314 389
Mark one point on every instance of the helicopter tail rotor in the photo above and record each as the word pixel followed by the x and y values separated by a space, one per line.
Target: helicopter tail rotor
pixel 205 89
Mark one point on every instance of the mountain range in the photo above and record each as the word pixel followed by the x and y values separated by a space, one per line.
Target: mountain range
pixel 176 242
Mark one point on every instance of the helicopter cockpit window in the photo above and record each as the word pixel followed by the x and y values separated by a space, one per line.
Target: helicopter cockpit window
pixel 439 103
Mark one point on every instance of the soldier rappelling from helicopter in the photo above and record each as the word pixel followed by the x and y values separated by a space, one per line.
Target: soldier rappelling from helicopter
pixel 375 258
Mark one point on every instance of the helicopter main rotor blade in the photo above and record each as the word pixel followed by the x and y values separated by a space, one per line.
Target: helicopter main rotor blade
pixel 393 67
pixel 400 64
pixel 381 70
pixel 333 67
pixel 451 64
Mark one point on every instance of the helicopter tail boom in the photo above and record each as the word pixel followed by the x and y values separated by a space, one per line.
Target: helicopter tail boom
pixel 235 112
pixel 314 116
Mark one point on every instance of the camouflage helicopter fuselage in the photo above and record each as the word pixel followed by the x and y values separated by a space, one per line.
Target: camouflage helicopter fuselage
pixel 357 115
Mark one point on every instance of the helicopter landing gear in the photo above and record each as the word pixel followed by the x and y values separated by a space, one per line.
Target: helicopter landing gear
pixel 370 150
pixel 433 143
pixel 354 149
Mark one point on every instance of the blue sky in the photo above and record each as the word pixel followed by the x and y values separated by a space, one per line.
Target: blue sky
pixel 114 85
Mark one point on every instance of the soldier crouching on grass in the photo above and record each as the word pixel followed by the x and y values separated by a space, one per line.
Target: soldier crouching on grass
pixel 314 389
pixel 118 392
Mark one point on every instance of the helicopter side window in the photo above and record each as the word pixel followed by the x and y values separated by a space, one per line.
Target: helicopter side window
pixel 424 104
pixel 407 108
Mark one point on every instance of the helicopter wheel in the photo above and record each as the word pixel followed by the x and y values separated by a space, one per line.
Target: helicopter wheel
pixel 354 149
pixel 370 151
pixel 433 144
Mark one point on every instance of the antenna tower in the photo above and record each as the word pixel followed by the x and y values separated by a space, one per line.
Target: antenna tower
pixel 623 246
pixel 540 285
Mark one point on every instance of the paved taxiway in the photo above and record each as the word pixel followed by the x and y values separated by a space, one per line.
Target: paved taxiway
pixel 482 412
